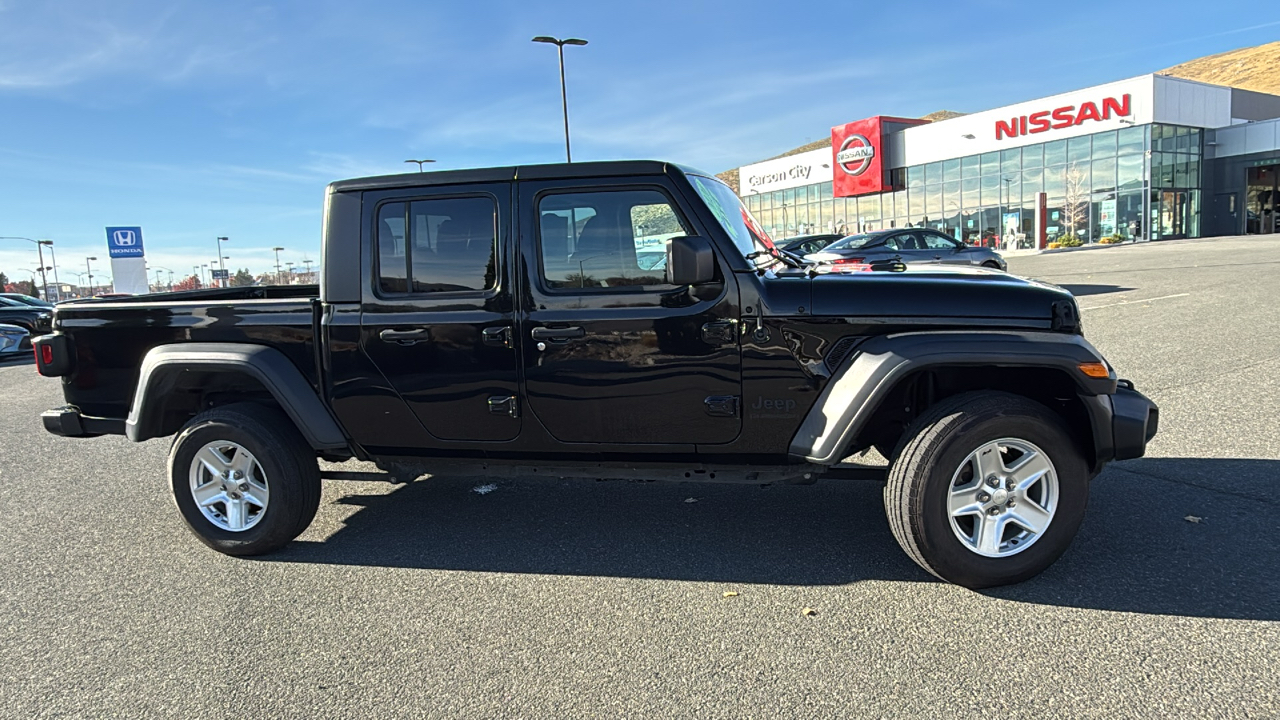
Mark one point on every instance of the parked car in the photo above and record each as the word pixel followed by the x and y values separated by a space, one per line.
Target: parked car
pixel 910 245
pixel 806 244
pixel 14 340
pixel 27 300
pixel 32 318
pixel 514 346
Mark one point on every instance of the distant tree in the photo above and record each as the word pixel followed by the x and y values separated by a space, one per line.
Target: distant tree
pixel 1075 207
pixel 191 283
pixel 242 278
pixel 4 281
pixel 26 287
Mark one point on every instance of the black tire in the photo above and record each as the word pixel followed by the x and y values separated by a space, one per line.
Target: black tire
pixel 991 264
pixel 287 461
pixel 937 444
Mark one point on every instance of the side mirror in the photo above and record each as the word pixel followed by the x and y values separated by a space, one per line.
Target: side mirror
pixel 690 261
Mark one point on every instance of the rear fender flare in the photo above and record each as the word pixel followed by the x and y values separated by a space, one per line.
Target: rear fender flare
pixel 867 377
pixel 163 366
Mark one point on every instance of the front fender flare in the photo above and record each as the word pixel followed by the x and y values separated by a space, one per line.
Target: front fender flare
pixel 163 366
pixel 869 375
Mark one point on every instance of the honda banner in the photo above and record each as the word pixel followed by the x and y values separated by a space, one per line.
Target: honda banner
pixel 128 265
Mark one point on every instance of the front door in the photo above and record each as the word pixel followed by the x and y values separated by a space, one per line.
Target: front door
pixel 611 352
pixel 437 319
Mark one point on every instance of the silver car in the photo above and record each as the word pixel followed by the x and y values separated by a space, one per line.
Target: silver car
pixel 14 340
pixel 909 245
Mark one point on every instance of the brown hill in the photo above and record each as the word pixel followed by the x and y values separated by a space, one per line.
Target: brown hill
pixel 1253 68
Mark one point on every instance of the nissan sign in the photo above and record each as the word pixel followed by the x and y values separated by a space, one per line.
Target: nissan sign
pixel 855 150
pixel 855 154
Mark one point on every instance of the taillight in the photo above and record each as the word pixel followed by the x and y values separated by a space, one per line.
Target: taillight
pixel 848 261
pixel 55 355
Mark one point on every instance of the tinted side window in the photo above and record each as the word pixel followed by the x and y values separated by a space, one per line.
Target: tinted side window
pixel 939 242
pixel 605 239
pixel 445 245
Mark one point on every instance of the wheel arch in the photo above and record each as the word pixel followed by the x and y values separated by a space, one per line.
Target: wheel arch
pixel 891 380
pixel 176 382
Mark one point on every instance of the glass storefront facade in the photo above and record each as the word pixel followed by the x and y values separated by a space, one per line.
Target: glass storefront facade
pixel 1141 182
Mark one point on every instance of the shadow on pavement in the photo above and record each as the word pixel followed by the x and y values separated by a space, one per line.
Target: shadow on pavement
pixel 1136 552
pixel 1086 290
pixel 19 358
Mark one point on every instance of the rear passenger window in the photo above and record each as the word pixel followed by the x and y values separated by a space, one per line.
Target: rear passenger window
pixel 606 239
pixel 445 245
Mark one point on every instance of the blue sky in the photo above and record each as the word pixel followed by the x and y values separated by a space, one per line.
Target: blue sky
pixel 200 119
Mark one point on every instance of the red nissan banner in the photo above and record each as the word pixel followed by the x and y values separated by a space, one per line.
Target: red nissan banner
pixel 857 158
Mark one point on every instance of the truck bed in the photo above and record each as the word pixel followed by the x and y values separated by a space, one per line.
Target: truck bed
pixel 112 335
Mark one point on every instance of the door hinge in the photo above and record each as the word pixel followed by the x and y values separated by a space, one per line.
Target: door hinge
pixel 721 332
pixel 504 405
pixel 722 405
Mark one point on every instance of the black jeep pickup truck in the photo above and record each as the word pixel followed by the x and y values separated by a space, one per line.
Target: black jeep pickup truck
pixel 607 320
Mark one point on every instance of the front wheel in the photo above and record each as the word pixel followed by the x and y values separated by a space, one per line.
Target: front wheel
pixel 988 489
pixel 244 479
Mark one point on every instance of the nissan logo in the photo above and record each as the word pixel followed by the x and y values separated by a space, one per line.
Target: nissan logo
pixel 124 238
pixel 855 154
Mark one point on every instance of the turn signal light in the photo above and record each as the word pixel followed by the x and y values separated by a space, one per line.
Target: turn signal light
pixel 1094 369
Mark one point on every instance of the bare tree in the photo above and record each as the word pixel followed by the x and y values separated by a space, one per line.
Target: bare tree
pixel 1075 206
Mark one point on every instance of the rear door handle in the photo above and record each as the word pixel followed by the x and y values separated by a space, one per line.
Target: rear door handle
pixel 405 337
pixel 558 334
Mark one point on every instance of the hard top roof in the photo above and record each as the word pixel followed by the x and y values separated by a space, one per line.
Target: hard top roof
pixel 518 172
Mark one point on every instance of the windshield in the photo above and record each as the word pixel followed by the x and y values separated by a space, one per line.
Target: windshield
pixel 853 242
pixel 733 216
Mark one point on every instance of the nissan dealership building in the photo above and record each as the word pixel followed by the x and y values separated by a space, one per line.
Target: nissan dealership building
pixel 1148 158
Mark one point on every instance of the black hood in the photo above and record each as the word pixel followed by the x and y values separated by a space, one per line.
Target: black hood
pixel 930 292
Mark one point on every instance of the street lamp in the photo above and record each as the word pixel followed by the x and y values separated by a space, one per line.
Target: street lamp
pixel 277 250
pixel 53 260
pixel 564 98
pixel 44 280
pixel 221 264
pixel 420 162
pixel 89 270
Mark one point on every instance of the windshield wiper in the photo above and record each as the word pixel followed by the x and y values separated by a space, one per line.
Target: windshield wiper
pixel 781 256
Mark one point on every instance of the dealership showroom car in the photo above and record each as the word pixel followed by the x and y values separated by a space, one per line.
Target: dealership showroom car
pixel 910 245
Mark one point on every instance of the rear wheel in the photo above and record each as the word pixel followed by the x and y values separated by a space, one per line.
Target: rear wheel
pixel 244 479
pixel 991 264
pixel 988 489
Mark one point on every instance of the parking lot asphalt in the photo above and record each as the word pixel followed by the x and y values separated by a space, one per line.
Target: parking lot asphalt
pixel 549 598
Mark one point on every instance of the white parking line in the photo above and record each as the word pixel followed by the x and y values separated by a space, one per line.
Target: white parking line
pixel 1133 302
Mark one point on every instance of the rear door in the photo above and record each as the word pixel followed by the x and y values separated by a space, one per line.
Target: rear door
pixel 437 318
pixel 611 352
pixel 910 247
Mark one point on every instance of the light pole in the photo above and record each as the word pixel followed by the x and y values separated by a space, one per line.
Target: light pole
pixel 289 266
pixel 564 98
pixel 53 260
pixel 89 270
pixel 308 264
pixel 44 280
pixel 221 264
pixel 203 281
pixel 420 162
pixel 277 250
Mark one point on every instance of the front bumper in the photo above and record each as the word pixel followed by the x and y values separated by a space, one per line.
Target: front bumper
pixel 68 422
pixel 1134 421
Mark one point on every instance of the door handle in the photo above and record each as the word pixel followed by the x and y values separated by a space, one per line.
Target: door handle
pixel 499 336
pixel 558 334
pixel 405 337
